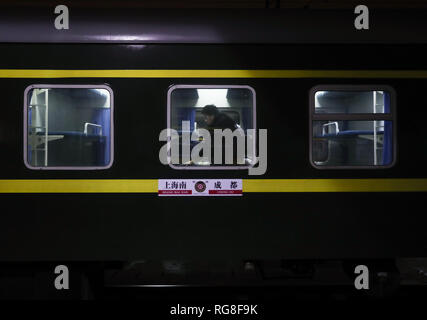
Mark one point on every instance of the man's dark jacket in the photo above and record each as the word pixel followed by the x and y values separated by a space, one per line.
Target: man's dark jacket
pixel 223 121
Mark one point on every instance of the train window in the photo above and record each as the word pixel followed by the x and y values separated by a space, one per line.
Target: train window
pixel 352 127
pixel 192 108
pixel 68 127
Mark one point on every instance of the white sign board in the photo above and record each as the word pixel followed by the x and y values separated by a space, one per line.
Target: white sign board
pixel 200 187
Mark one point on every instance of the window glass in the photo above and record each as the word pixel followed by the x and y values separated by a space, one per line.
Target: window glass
pixel 352 143
pixel 193 109
pixel 68 127
pixel 352 126
pixel 349 102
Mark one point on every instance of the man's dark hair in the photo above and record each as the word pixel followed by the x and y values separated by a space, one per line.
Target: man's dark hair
pixel 210 110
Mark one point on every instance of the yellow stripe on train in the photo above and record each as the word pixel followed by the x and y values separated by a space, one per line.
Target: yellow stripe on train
pixel 249 185
pixel 44 73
